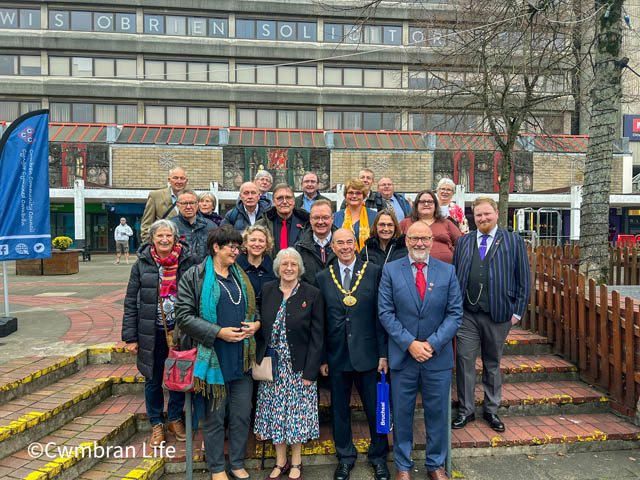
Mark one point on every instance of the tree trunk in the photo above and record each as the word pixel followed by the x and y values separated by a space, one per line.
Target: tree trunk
pixel 605 98
pixel 504 181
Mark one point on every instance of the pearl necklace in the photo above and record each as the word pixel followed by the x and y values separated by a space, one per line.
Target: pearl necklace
pixel 229 292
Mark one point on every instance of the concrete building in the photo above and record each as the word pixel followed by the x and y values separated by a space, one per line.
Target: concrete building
pixel 226 88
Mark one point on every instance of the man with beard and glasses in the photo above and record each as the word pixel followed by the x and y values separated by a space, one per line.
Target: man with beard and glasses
pixel 493 270
pixel 420 307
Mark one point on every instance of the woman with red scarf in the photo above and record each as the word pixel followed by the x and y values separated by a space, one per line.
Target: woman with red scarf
pixel 149 315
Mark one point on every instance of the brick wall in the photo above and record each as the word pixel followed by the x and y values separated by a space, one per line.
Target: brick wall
pixel 410 171
pixel 140 167
pixel 560 171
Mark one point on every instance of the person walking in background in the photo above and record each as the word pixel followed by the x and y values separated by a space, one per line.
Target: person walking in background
pixel 445 233
pixel 215 312
pixel 420 307
pixel 206 207
pixel 355 350
pixel 387 242
pixel 493 271
pixel 149 315
pixel 193 228
pixel 292 314
pixel 355 216
pixel 257 242
pixel 162 203
pixel 122 234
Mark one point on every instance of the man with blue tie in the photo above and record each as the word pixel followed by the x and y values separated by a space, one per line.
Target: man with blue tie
pixel 493 270
pixel 420 307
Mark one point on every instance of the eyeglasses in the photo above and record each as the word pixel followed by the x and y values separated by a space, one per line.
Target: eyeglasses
pixel 385 225
pixel 354 194
pixel 187 204
pixel 283 199
pixel 446 190
pixel 417 240
pixel 325 218
pixel 426 202
pixel 233 248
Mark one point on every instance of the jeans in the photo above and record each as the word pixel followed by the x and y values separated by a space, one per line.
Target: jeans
pixel 153 393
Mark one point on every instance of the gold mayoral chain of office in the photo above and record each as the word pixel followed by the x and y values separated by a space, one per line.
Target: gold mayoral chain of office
pixel 349 300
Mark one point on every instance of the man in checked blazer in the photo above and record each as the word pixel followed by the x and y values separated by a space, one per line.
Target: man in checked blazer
pixel 493 270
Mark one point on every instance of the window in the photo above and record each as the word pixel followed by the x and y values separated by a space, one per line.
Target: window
pixel 332 121
pixel 126 114
pixel 154 70
pixel 219 72
pixel 8 64
pixel 392 78
pixel 176 25
pixel 352 77
pixel 271 75
pixel 276 30
pixel 20 18
pixel 82 112
pixel 271 118
pixel 332 76
pixel 84 21
pixel 106 113
pixel 372 78
pixel 92 67
pixel 185 71
pixel 9 111
pixel 307 75
pixel 266 74
pixel 358 77
pixel 19 65
pixel 287 75
pixel 176 71
pixel 367 120
pixel 81 67
pixel 245 73
pixel 185 115
pixel 197 72
pixel 352 120
pixel 372 121
pixel 105 67
pixel 417 80
pixel 93 113
pixel 126 68
pixel 417 122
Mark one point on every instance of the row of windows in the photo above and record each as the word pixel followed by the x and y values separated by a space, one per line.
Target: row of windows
pixel 195 26
pixel 266 118
pixel 251 73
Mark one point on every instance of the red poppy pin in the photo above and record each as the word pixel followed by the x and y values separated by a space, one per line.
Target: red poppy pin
pixel 304 304
pixel 298 225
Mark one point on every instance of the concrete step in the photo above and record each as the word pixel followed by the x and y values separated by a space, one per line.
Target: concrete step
pixel 68 452
pixel 29 417
pixel 25 375
pixel 127 468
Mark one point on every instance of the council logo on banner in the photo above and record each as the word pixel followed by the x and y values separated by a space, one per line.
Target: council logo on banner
pixel 24 188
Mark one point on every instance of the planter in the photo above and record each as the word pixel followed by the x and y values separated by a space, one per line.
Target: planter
pixel 62 262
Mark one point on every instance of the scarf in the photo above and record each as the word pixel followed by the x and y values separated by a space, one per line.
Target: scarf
pixel 364 226
pixel 207 372
pixel 169 269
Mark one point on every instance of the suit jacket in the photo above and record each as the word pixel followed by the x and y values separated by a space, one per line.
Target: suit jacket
pixel 304 323
pixel 509 277
pixel 158 203
pixel 354 337
pixel 406 317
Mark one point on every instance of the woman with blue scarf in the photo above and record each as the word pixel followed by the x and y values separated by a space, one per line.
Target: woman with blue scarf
pixel 215 311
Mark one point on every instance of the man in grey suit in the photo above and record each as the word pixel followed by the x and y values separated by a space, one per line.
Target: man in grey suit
pixel 493 270
pixel 162 203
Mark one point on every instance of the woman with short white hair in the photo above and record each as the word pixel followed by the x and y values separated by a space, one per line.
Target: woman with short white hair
pixel 445 190
pixel 292 334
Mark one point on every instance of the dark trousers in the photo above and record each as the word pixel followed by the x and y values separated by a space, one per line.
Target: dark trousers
pixel 479 333
pixel 341 384
pixel 153 393
pixel 238 404
pixel 434 386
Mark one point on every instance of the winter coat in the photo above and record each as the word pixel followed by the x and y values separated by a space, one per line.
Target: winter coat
pixel 141 304
pixel 310 258
pixel 195 234
pixel 238 218
pixel 372 251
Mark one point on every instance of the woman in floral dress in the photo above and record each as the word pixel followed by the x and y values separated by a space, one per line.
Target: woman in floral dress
pixel 292 333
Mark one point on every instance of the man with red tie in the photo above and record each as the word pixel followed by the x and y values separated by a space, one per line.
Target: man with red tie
pixel 420 307
pixel 283 220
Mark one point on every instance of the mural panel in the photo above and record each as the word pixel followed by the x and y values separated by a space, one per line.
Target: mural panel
pixel 286 165
pixel 478 171
pixel 71 161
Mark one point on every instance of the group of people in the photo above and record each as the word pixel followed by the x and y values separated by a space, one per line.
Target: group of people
pixel 381 285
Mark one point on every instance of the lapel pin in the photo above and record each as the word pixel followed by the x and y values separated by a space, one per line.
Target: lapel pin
pixel 304 304
pixel 431 284
pixel 429 288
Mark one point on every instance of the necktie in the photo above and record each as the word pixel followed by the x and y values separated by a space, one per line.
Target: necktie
pixel 347 279
pixel 284 242
pixel 421 283
pixel 483 246
pixel 389 204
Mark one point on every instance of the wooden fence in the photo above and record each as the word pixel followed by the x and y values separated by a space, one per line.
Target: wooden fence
pixel 624 263
pixel 598 332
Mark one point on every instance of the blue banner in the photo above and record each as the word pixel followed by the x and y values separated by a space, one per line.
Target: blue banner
pixel 631 127
pixel 25 231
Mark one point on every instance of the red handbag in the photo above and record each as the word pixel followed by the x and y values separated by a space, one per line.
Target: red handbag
pixel 178 370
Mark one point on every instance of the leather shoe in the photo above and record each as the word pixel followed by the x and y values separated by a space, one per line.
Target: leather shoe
pixel 461 420
pixel 494 421
pixel 381 471
pixel 403 475
pixel 177 428
pixel 342 471
pixel 438 474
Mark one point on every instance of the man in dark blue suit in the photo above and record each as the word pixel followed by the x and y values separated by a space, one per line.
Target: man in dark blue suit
pixel 420 307
pixel 355 349
pixel 493 271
